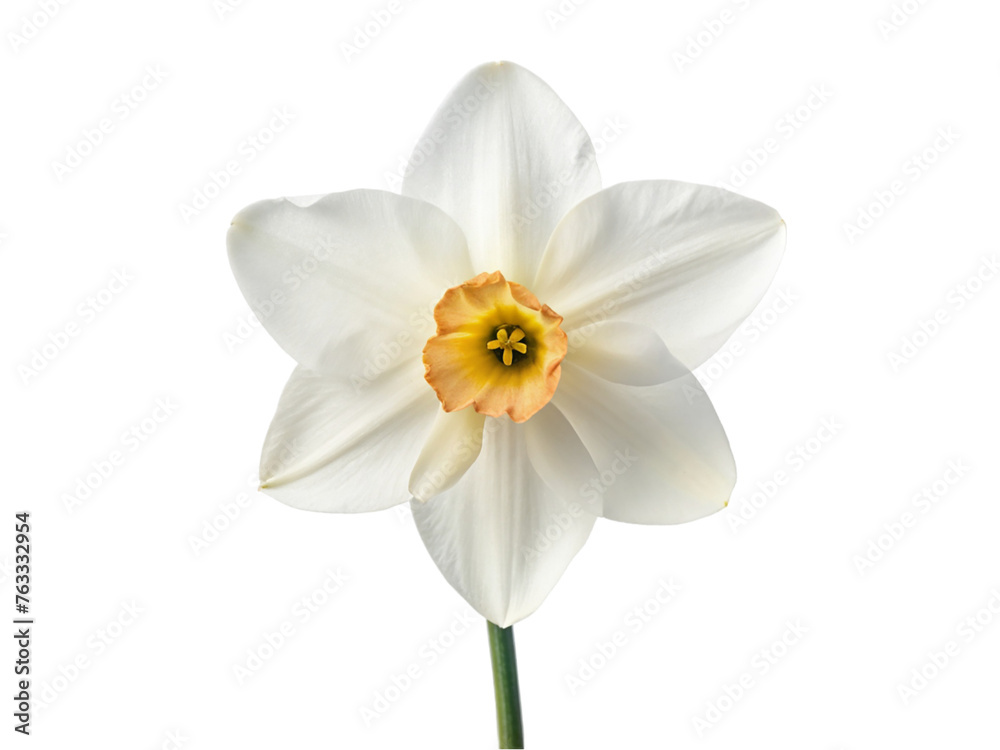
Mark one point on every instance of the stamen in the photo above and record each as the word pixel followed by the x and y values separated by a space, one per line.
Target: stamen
pixel 509 343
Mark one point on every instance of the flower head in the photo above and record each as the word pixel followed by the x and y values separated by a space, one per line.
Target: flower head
pixel 496 349
pixel 505 345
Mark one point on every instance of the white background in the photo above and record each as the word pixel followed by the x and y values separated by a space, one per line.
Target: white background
pixel 177 332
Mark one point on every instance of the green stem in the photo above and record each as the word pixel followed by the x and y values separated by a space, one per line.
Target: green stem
pixel 508 695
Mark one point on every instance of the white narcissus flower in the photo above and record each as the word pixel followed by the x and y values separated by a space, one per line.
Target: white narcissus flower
pixel 553 383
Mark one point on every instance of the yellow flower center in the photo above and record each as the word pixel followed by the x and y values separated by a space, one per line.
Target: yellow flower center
pixel 496 349
pixel 508 345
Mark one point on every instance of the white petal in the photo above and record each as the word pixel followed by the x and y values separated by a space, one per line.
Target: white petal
pixel 339 447
pixel 623 352
pixel 560 459
pixel 500 536
pixel 689 261
pixel 505 158
pixel 661 450
pixel 449 451
pixel 344 283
